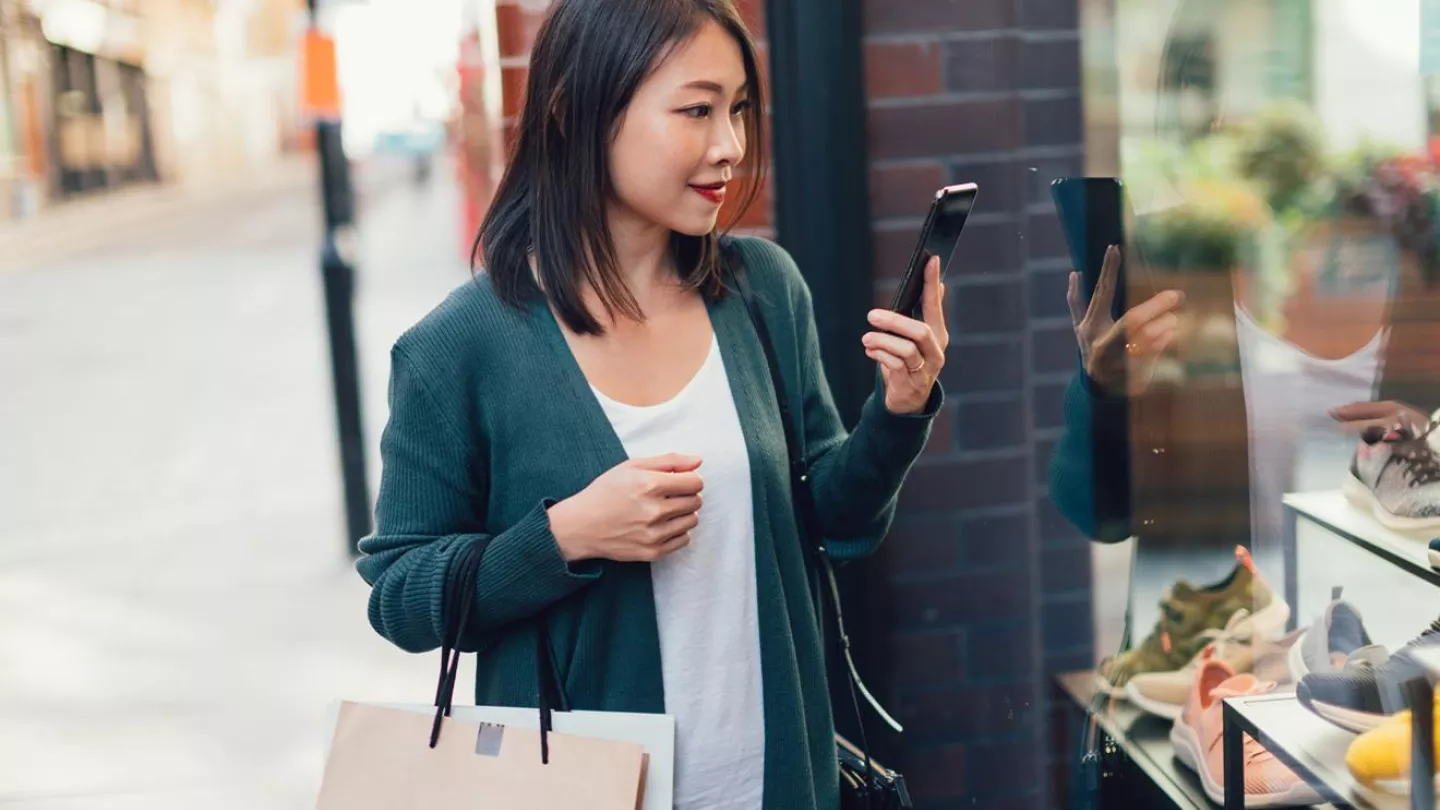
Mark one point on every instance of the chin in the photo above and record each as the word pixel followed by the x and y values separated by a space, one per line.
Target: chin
pixel 695 227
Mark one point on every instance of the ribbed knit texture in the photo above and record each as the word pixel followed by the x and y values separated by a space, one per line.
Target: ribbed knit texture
pixel 491 420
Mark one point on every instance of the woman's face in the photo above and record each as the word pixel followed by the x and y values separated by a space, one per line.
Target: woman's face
pixel 678 141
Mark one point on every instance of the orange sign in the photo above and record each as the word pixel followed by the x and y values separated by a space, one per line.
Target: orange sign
pixel 320 83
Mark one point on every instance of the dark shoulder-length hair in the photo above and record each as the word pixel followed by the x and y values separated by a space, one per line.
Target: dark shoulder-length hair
pixel 589 59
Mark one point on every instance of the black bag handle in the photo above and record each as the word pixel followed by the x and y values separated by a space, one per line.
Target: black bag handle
pixel 804 500
pixel 455 617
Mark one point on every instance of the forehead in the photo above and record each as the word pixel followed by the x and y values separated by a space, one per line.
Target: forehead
pixel 711 55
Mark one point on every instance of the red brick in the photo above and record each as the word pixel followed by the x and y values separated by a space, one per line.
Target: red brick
pixel 904 191
pixel 920 544
pixel 942 430
pixel 753 11
pixel 510 30
pixel 930 16
pixel 758 215
pixel 903 69
pixel 920 660
pixel 893 244
pixel 512 89
pixel 944 128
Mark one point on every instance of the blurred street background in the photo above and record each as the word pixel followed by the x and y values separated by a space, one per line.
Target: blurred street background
pixel 179 607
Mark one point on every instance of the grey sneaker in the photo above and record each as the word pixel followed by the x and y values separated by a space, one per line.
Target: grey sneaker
pixel 1369 689
pixel 1332 640
pixel 1396 477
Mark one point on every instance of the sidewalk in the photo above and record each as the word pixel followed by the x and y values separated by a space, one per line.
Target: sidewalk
pixel 85 224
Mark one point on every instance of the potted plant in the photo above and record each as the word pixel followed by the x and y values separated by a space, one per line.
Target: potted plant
pixel 1199 247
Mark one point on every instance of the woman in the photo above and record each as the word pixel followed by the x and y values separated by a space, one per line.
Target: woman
pixel 597 407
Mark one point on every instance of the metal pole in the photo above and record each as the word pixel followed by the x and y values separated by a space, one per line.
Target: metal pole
pixel 338 274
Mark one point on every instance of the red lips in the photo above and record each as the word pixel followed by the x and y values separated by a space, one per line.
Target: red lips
pixel 714 192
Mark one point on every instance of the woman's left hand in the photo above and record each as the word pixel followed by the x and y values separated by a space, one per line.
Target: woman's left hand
pixel 910 352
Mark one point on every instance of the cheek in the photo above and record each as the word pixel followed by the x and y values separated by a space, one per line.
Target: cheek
pixel 652 160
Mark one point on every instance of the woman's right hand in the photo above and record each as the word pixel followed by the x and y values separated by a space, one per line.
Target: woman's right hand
pixel 1120 356
pixel 639 511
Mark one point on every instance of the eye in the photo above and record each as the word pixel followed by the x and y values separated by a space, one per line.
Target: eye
pixel 740 108
pixel 698 111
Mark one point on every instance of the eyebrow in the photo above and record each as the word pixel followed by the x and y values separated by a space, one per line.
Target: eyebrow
pixel 713 87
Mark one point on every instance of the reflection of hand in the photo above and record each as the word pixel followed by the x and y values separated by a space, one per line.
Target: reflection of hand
pixel 1358 416
pixel 1120 356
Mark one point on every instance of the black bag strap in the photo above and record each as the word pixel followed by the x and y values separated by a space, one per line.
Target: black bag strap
pixel 455 616
pixel 804 499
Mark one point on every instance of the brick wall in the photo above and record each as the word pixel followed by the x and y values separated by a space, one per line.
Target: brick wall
pixel 987 590
pixel 982 591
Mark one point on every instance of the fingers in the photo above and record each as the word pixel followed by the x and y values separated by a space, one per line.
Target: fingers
pixel 1362 425
pixel 1153 308
pixel 897 347
pixel 669 462
pixel 680 505
pixel 670 546
pixel 1162 329
pixel 1104 297
pixel 933 310
pixel 919 333
pixel 887 360
pixel 1072 297
pixel 1360 415
pixel 676 485
pixel 1359 411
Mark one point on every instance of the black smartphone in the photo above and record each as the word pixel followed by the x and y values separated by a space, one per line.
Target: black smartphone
pixel 939 237
pixel 1093 214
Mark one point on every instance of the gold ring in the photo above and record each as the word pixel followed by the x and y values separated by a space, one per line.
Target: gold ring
pixel 917 368
pixel 1132 348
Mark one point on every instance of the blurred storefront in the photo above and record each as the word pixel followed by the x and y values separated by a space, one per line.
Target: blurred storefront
pixel 98 95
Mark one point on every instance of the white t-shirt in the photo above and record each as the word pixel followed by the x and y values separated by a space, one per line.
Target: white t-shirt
pixel 1289 393
pixel 705 596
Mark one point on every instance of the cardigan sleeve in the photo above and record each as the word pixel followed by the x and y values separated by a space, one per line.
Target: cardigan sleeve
pixel 430 507
pixel 1090 468
pixel 856 475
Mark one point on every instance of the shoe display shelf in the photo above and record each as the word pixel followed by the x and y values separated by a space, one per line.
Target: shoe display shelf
pixel 1333 513
pixel 1311 747
pixel 1148 774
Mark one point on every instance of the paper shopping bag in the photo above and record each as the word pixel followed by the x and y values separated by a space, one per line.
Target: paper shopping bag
pixel 380 759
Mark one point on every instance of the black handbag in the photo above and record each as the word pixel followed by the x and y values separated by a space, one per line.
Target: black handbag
pixel 864 783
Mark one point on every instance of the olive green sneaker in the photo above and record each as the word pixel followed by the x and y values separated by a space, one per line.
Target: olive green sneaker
pixel 1188 617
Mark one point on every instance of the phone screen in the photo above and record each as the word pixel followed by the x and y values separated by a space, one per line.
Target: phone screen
pixel 1092 217
pixel 940 237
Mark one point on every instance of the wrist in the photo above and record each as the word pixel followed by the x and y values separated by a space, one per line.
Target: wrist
pixel 566 532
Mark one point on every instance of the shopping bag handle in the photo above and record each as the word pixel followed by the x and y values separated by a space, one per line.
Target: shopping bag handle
pixel 455 616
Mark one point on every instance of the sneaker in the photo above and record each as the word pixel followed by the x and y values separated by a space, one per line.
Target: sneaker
pixel 1369 689
pixel 1395 476
pixel 1272 658
pixel 1196 737
pixel 1163 694
pixel 1330 642
pixel 1379 760
pixel 1186 613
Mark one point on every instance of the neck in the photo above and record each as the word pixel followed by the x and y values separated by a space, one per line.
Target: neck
pixel 642 250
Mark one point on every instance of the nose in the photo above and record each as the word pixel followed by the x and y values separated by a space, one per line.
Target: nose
pixel 727 144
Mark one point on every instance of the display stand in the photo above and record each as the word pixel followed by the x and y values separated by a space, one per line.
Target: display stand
pixel 1310 746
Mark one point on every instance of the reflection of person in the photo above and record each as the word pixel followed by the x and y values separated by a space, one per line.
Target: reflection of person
pixel 1197 463
pixel 596 408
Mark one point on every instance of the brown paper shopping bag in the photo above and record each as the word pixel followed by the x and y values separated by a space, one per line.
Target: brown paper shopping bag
pixel 391 758
pixel 380 760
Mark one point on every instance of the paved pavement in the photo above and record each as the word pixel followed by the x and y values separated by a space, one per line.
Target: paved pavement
pixel 178 608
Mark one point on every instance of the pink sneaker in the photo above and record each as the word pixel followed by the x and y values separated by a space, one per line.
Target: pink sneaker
pixel 1197 740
